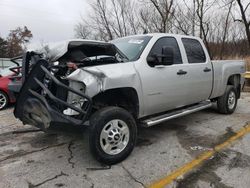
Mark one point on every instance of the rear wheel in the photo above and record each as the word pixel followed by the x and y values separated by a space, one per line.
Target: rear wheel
pixel 112 134
pixel 3 100
pixel 227 103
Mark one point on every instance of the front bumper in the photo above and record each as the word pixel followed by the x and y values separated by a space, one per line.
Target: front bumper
pixel 39 106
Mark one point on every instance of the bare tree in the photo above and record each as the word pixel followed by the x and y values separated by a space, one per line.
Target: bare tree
pixel 82 31
pixel 165 9
pixel 184 20
pixel 212 20
pixel 203 22
pixel 100 8
pixel 186 17
pixel 244 19
pixel 226 27
pixel 109 20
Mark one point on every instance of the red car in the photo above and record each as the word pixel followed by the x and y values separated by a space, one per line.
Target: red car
pixel 6 96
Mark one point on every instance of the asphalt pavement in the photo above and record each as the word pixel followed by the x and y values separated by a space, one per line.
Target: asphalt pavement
pixel 61 158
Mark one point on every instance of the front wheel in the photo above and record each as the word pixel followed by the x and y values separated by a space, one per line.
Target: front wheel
pixel 112 136
pixel 3 100
pixel 227 103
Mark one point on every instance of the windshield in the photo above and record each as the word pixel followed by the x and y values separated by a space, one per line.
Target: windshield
pixel 5 72
pixel 132 47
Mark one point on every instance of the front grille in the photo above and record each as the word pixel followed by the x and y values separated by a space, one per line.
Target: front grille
pixel 56 93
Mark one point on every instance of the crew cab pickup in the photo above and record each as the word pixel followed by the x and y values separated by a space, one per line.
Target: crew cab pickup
pixel 115 87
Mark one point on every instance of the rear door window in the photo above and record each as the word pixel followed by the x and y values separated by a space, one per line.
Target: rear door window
pixel 194 50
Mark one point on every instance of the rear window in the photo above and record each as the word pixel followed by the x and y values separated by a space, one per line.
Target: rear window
pixel 194 51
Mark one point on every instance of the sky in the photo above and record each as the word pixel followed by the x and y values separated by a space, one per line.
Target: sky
pixel 48 20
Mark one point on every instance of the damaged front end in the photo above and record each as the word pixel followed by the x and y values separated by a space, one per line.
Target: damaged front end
pixel 52 91
pixel 42 100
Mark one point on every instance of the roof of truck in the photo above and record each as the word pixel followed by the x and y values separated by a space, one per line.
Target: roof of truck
pixel 163 34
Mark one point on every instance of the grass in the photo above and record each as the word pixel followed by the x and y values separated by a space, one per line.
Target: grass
pixel 247 59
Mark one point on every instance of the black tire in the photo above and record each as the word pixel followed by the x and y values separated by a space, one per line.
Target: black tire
pixel 98 121
pixel 3 96
pixel 223 104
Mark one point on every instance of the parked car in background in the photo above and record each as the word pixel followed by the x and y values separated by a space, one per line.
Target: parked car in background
pixel 16 81
pixel 6 96
pixel 7 62
pixel 11 72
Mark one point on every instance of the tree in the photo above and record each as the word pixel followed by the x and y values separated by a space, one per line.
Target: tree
pixel 211 20
pixel 226 28
pixel 3 47
pixel 82 31
pixel 109 20
pixel 244 19
pixel 204 24
pixel 17 39
pixel 184 19
pixel 164 10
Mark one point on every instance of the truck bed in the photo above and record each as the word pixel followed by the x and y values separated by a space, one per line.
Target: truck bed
pixel 223 69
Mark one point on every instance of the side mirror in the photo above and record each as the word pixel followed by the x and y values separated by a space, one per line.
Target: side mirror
pixel 152 60
pixel 167 55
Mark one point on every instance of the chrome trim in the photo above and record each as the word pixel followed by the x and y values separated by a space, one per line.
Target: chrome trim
pixel 166 117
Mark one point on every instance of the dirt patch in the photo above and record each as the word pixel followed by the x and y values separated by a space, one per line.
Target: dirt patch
pixel 205 173
pixel 189 139
pixel 148 136
pixel 143 142
pixel 43 140
pixel 239 161
pixel 222 138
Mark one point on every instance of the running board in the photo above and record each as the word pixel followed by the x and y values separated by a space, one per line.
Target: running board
pixel 174 114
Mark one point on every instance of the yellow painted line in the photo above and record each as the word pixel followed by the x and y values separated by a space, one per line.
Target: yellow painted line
pixel 199 160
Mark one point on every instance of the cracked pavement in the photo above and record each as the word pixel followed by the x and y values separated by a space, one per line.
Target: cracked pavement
pixel 61 158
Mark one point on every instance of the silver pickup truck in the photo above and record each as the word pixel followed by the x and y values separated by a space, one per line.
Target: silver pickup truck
pixel 113 88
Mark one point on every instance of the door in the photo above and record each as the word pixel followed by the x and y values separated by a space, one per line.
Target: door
pixel 164 86
pixel 200 72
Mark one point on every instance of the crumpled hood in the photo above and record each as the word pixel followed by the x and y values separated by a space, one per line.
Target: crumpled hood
pixel 53 52
pixel 100 78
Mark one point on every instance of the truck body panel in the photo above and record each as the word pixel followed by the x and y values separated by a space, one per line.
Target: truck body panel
pixel 159 88
pixel 223 69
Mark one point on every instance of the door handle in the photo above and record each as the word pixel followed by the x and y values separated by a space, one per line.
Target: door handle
pixel 181 72
pixel 206 69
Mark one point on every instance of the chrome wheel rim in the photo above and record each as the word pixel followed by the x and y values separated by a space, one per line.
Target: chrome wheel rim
pixel 114 137
pixel 231 100
pixel 3 100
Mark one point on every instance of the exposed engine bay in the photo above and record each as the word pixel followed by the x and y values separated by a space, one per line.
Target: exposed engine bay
pixel 69 69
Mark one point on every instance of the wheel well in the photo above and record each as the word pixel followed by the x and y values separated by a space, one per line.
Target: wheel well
pixel 5 93
pixel 126 98
pixel 234 80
